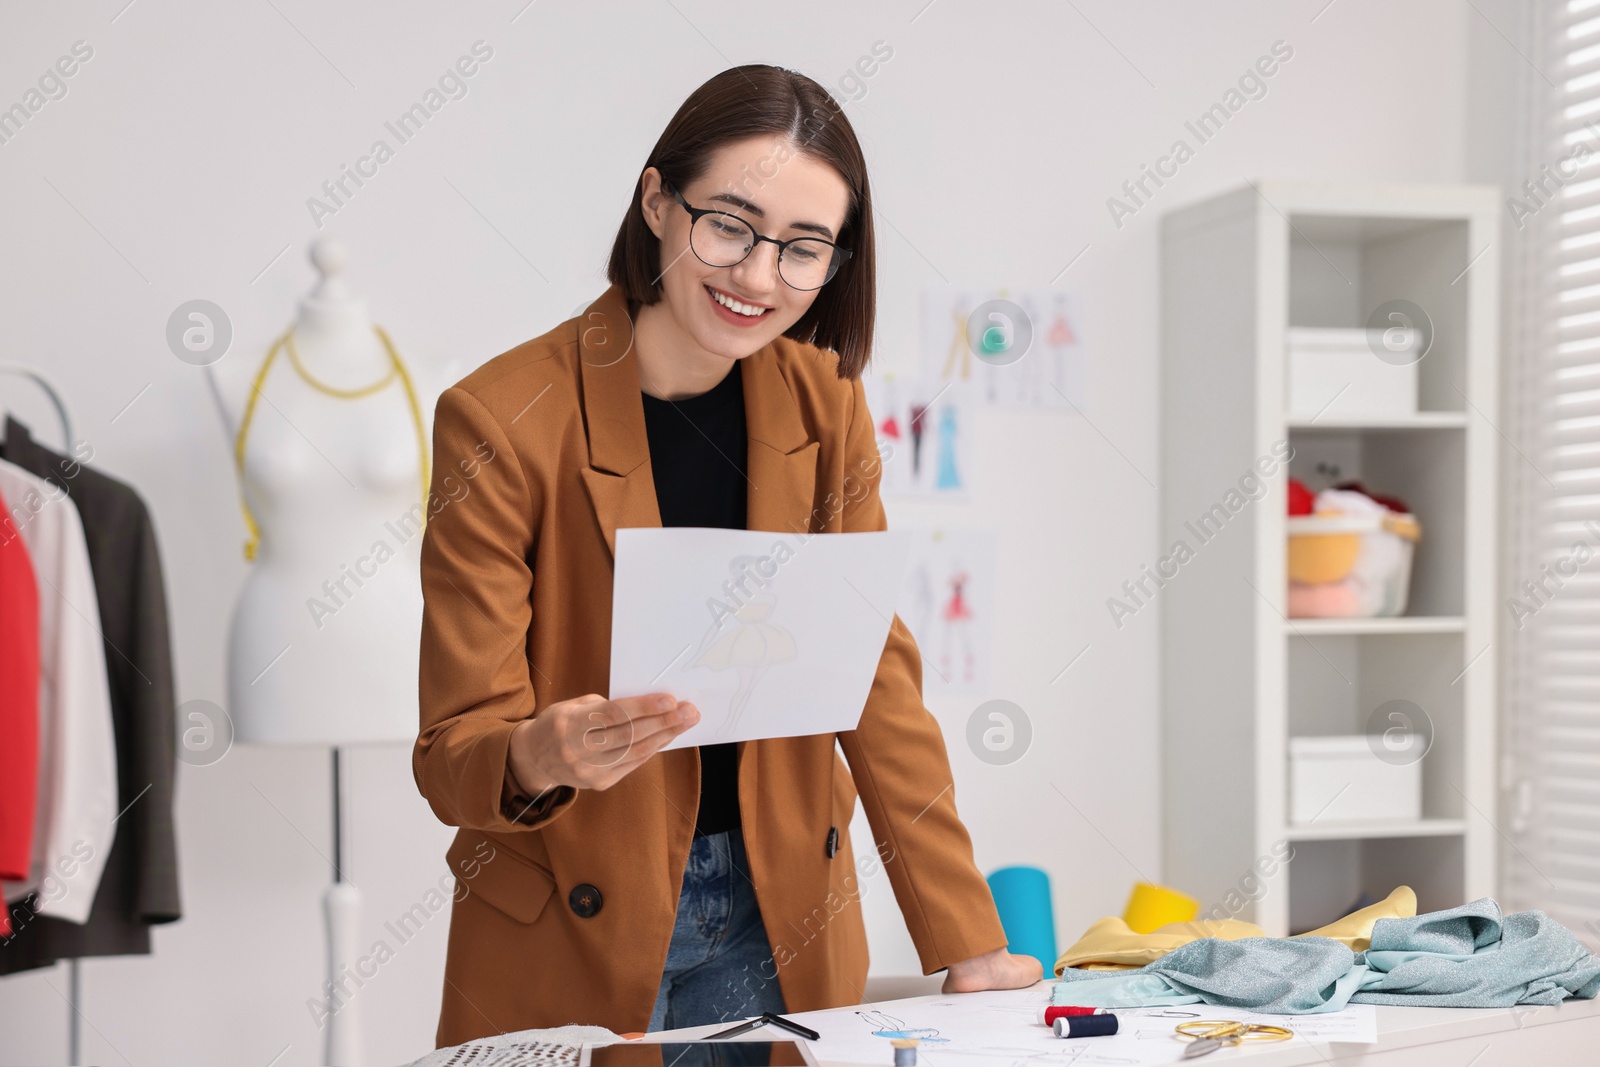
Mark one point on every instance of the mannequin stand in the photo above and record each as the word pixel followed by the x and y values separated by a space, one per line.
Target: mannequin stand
pixel 342 909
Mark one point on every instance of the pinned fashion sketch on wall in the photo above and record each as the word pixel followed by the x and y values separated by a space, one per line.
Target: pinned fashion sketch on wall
pixel 948 603
pixel 1005 348
pixel 924 435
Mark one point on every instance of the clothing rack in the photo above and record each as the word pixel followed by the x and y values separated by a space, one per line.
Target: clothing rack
pixel 74 972
pixel 22 371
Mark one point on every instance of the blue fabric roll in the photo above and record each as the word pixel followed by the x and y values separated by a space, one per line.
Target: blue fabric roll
pixel 1022 896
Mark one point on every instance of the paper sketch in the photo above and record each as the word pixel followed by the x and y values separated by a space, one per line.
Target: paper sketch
pixel 768 634
pixel 948 604
pixel 1005 348
pixel 924 433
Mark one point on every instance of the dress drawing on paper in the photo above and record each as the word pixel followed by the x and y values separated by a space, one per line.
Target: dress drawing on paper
pixel 957 616
pixel 750 647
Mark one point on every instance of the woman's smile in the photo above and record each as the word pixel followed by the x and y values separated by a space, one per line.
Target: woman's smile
pixel 732 309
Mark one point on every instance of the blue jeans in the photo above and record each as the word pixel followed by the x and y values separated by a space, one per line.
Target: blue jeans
pixel 719 966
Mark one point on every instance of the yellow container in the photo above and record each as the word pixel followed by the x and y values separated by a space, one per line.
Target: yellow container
pixel 1152 906
pixel 1315 558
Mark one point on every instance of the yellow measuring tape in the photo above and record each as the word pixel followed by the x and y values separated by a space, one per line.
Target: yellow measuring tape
pixel 396 368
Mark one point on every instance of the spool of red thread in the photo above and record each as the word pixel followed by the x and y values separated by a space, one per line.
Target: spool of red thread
pixel 1049 1014
pixel 1101 1025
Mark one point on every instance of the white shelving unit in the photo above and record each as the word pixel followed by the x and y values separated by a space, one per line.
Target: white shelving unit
pixel 1238 677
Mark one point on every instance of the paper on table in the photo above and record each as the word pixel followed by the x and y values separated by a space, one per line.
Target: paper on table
pixel 973 1029
pixel 768 634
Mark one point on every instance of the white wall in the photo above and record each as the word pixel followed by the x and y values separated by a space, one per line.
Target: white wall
pixel 178 167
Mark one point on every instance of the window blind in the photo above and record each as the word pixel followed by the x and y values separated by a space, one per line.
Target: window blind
pixel 1551 847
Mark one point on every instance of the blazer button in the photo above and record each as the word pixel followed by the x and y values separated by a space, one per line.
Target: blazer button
pixel 585 900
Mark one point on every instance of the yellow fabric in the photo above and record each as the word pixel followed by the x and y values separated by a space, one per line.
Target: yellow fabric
pixel 1110 944
pixel 1152 906
pixel 1355 929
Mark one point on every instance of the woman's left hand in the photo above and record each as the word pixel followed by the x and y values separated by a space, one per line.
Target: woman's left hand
pixel 993 970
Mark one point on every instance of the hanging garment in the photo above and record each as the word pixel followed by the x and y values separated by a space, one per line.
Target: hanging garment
pixel 77 793
pixel 139 886
pixel 1465 957
pixel 19 704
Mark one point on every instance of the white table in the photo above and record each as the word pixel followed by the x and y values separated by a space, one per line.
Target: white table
pixel 1407 1037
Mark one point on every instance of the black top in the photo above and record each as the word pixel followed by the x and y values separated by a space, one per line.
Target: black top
pixel 697 456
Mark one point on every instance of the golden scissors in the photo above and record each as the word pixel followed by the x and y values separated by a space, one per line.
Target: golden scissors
pixel 1209 1035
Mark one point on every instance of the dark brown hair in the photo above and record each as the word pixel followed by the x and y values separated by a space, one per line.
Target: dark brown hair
pixel 749 101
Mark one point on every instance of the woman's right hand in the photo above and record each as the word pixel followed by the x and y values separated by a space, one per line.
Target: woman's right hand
pixel 590 742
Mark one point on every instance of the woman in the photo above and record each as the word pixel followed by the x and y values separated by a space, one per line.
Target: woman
pixel 716 382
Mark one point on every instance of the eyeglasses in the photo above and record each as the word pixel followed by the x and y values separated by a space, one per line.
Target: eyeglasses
pixel 719 239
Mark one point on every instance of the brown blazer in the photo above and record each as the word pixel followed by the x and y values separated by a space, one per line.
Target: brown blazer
pixel 564 910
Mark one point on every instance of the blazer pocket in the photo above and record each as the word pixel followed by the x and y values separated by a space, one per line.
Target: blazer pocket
pixel 505 880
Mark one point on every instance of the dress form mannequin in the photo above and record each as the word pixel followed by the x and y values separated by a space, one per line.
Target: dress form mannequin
pixel 324 639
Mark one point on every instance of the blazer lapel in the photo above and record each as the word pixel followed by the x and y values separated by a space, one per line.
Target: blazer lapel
pixel 782 460
pixel 618 478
